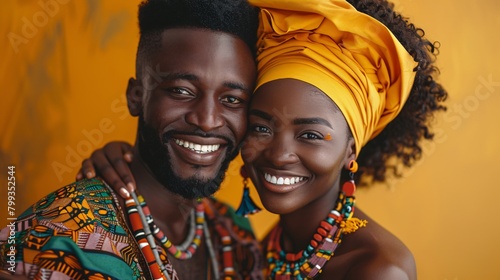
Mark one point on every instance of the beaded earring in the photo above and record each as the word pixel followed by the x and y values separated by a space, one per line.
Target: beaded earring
pixel 349 187
pixel 247 205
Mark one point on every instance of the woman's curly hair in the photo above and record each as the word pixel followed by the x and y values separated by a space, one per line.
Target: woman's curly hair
pixel 401 139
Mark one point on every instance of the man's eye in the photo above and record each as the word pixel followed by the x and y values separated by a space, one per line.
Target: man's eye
pixel 232 100
pixel 179 91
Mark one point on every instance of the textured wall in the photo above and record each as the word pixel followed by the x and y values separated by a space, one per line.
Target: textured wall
pixel 64 68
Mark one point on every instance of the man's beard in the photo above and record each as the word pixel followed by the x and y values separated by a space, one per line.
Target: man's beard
pixel 156 156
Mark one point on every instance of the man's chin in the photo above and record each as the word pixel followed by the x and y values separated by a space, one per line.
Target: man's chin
pixel 193 187
pixel 197 176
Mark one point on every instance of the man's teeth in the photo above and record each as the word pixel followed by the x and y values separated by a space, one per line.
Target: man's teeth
pixel 282 180
pixel 201 149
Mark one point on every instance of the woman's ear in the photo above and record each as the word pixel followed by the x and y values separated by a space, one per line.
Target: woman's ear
pixel 351 152
pixel 134 97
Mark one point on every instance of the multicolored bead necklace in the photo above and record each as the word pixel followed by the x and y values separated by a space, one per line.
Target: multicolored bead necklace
pixel 308 263
pixel 178 251
pixel 144 228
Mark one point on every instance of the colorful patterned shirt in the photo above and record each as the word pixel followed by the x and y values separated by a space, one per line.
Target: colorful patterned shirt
pixel 80 232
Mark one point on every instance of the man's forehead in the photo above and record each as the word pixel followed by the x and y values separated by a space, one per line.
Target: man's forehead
pixel 201 56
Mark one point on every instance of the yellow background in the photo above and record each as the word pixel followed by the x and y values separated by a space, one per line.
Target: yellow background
pixel 63 76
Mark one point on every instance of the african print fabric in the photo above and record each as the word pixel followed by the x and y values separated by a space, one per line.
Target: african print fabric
pixel 79 232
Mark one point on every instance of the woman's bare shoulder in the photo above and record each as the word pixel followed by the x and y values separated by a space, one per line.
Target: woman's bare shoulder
pixel 375 253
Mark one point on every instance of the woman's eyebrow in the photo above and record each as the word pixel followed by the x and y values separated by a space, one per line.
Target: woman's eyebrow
pixel 297 121
pixel 260 114
pixel 312 121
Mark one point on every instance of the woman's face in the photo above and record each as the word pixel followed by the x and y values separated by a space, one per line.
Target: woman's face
pixel 297 144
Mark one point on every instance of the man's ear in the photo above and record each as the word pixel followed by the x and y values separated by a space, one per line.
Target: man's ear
pixel 134 97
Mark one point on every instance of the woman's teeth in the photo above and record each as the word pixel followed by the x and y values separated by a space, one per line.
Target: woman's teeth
pixel 282 180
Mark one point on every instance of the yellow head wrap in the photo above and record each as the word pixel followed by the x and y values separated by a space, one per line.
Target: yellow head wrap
pixel 350 56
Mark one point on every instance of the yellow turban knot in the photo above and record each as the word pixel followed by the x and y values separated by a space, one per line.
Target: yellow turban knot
pixel 350 56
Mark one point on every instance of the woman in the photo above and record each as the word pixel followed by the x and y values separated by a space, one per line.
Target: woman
pixel 335 89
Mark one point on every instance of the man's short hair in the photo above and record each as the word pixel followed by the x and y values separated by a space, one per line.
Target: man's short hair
pixel 235 17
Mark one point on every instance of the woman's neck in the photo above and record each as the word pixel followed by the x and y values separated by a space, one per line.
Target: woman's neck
pixel 300 225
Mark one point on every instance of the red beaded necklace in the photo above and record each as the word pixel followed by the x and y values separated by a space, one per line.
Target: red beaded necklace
pixel 308 263
pixel 144 227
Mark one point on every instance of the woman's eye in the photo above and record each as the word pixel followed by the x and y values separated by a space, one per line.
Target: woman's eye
pixel 260 129
pixel 312 136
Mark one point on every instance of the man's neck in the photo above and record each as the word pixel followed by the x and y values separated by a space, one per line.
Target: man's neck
pixel 170 211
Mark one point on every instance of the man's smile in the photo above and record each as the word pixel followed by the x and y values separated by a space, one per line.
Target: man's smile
pixel 198 148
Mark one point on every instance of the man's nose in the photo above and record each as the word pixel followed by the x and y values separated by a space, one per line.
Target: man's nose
pixel 206 114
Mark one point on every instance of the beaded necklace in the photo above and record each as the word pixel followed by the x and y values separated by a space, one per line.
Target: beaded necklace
pixel 179 252
pixel 308 263
pixel 144 228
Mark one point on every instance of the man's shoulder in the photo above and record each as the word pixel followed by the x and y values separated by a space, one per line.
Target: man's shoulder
pixel 76 226
pixel 83 191
pixel 79 206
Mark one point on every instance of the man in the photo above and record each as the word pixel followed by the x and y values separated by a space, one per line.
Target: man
pixel 195 72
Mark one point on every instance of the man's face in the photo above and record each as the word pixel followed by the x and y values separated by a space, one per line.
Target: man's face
pixel 194 107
